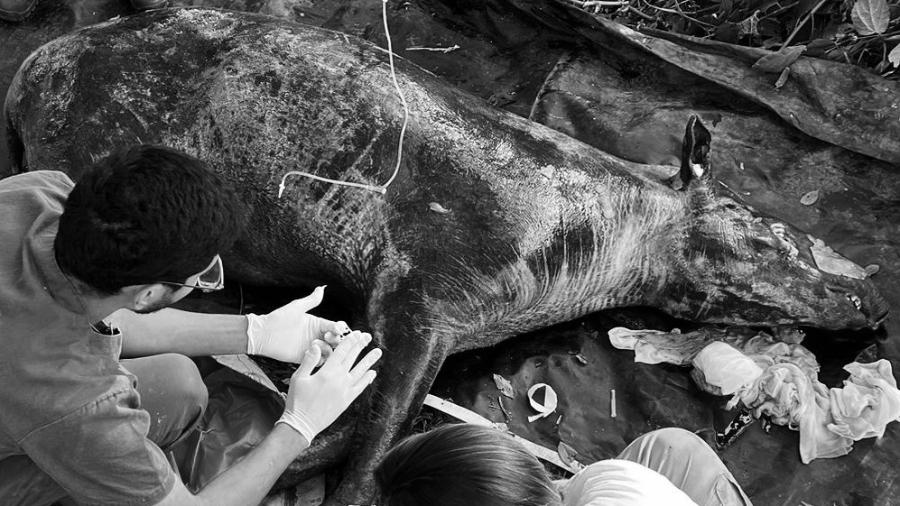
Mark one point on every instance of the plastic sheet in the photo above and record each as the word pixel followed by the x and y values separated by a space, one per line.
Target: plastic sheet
pixel 240 413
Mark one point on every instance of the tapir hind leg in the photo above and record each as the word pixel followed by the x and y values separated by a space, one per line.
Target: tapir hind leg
pixel 405 375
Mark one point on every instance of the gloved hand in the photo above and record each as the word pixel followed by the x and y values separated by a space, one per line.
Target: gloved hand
pixel 314 401
pixel 288 332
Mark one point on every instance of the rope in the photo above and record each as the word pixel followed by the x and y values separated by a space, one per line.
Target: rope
pixel 382 189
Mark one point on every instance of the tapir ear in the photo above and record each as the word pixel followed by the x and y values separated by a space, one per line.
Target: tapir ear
pixel 694 152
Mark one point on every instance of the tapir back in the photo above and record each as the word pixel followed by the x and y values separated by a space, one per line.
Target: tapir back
pixel 493 226
pixel 482 197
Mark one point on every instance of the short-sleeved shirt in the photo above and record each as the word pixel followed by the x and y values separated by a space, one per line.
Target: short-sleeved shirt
pixel 616 482
pixel 65 401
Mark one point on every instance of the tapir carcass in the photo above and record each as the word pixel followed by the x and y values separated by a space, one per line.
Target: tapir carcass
pixel 493 226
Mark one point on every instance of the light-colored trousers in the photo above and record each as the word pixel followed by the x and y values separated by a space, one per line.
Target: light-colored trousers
pixel 690 464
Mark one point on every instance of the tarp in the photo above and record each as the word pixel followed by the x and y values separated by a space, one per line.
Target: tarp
pixel 831 128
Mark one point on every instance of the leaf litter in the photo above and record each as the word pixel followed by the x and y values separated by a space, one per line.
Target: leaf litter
pixel 865 33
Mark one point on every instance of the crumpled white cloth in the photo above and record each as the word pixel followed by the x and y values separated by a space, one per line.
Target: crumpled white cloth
pixel 788 390
pixel 723 370
pixel 829 420
pixel 867 403
pixel 657 347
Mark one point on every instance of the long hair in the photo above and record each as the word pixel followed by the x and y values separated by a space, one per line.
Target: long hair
pixel 463 465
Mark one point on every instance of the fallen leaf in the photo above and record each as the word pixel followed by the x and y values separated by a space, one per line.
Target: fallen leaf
pixel 870 16
pixel 830 261
pixel 809 198
pixel 872 269
pixel 568 455
pixel 434 206
pixel 772 43
pixel 818 47
pixel 749 26
pixel 894 56
pixel 777 62
pixel 782 79
pixel 504 386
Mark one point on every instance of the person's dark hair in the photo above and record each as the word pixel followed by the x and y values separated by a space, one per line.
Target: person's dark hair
pixel 145 214
pixel 463 465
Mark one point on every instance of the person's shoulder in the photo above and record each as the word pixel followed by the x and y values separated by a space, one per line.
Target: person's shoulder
pixel 38 179
pixel 26 197
pixel 621 482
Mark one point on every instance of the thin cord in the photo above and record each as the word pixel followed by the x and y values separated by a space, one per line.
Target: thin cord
pixel 387 34
pixel 383 188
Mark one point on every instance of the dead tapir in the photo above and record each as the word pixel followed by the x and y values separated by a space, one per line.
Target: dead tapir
pixel 494 226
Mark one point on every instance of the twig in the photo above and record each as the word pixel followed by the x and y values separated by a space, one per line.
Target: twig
pixel 802 23
pixel 598 3
pixel 680 13
pixel 444 50
pixel 641 14
pixel 779 10
pixel 503 408
pixel 468 416
pixel 731 190
pixel 705 10
pixel 677 5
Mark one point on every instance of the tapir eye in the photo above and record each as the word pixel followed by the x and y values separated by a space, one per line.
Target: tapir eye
pixel 856 301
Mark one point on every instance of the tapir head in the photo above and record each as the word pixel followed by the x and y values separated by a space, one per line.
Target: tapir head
pixel 745 268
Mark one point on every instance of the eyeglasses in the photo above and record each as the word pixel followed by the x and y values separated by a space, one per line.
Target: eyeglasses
pixel 211 279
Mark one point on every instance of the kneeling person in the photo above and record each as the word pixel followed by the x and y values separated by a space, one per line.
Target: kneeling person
pixel 140 231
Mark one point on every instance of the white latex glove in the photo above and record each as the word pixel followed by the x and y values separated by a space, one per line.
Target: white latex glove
pixel 288 332
pixel 314 401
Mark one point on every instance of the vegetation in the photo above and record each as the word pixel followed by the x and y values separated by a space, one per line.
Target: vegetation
pixel 860 32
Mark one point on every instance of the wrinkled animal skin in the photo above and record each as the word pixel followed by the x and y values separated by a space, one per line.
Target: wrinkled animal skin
pixel 541 228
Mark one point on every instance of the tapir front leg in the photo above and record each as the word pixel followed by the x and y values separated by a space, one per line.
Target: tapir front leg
pixel 405 375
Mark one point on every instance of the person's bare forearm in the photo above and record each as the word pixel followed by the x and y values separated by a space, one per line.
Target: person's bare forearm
pixel 175 331
pixel 313 402
pixel 248 481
